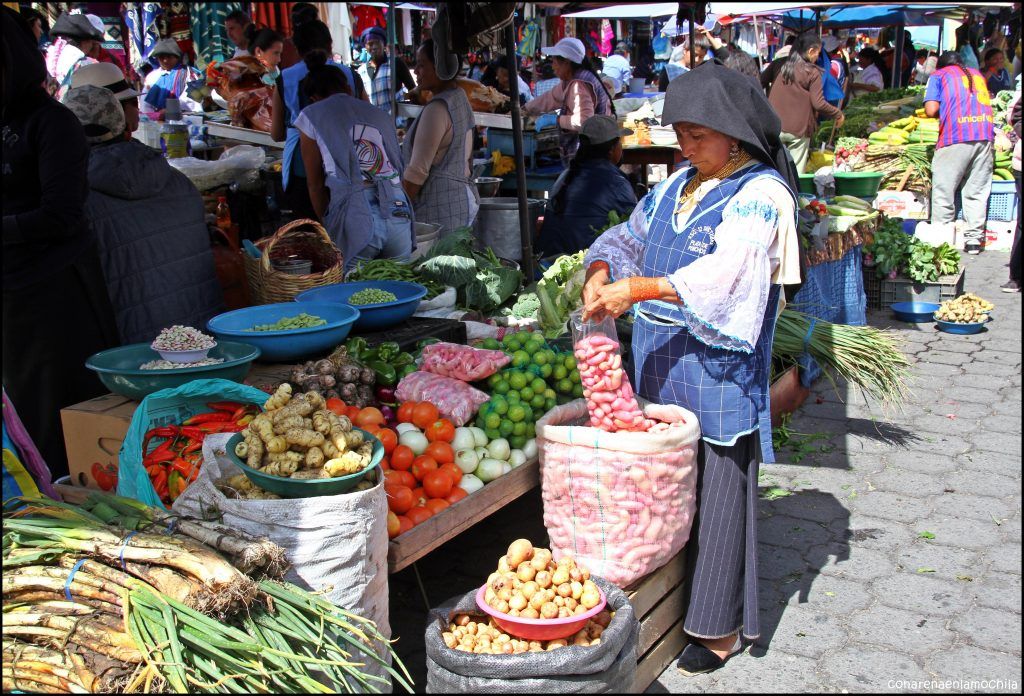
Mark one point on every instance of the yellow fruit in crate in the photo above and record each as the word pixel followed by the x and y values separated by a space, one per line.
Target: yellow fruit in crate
pixel 819 159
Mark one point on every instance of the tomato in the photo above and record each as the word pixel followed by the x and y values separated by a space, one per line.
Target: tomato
pixel 436 505
pixel 404 524
pixel 441 452
pixel 337 406
pixel 423 465
pixel 388 438
pixel 385 464
pixel 424 414
pixel 368 416
pixel 437 484
pixel 419 515
pixel 405 412
pixel 400 499
pixel 419 497
pixel 456 495
pixel 452 470
pixel 394 526
pixel 402 458
pixel 399 478
pixel 441 430
pixel 352 413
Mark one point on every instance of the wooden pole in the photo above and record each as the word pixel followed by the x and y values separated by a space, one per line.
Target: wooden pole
pixel 393 58
pixel 526 241
pixel 897 59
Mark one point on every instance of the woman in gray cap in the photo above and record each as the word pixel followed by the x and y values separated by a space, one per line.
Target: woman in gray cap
pixel 171 79
pixel 74 39
pixel 702 260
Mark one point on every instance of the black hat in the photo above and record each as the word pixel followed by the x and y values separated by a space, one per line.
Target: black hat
pixel 166 47
pixel 75 26
pixel 726 101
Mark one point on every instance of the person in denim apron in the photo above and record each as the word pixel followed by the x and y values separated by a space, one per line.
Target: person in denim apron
pixel 701 261
pixel 353 168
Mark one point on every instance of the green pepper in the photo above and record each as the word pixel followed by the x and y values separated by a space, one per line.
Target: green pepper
pixel 407 370
pixel 356 346
pixel 386 375
pixel 368 356
pixel 403 359
pixel 388 350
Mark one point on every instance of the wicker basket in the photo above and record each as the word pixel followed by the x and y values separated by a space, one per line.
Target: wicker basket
pixel 304 238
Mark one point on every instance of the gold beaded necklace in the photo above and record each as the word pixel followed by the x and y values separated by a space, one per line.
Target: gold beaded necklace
pixel 686 202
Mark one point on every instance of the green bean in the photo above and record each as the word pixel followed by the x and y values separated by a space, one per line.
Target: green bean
pixel 299 321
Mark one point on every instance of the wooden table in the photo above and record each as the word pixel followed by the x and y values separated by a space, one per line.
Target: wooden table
pixel 658 601
pixel 429 535
pixel 669 155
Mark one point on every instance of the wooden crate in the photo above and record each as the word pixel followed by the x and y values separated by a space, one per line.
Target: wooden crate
pixel 427 536
pixel 658 601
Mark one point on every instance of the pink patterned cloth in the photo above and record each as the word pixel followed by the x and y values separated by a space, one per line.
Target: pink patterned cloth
pixel 29 455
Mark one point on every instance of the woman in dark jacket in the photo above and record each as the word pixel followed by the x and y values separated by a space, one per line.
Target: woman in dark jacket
pixel 585 193
pixel 56 309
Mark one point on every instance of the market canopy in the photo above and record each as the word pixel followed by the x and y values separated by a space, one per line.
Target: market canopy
pixel 639 10
pixel 865 16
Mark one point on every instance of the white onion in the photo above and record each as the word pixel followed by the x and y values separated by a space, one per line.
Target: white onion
pixel 414 440
pixel 470 483
pixel 530 449
pixel 516 458
pixel 490 469
pixel 464 439
pixel 480 436
pixel 403 428
pixel 467 460
pixel 499 449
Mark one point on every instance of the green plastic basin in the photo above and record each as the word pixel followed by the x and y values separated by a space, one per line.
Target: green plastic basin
pixel 807 184
pixel 118 368
pixel 860 184
pixel 307 488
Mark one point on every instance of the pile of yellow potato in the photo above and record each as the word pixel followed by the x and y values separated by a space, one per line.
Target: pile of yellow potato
pixel 529 584
pixel 471 634
pixel 966 309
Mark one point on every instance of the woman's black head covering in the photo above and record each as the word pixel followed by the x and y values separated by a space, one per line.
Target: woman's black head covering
pixel 724 100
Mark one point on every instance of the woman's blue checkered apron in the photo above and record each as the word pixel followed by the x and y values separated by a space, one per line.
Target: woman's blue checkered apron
pixel 726 389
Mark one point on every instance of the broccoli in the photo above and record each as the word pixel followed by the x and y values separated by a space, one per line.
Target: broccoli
pixel 527 306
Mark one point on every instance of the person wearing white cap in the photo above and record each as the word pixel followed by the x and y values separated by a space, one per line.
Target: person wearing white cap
pixel 578 96
pixel 108 76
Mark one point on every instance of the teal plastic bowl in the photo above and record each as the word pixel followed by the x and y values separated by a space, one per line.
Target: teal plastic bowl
pixel 307 488
pixel 118 368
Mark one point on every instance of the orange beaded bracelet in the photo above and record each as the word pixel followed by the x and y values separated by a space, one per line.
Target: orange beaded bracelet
pixel 641 289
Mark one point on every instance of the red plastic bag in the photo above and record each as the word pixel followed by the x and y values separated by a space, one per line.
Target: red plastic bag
pixel 462 362
pixel 456 400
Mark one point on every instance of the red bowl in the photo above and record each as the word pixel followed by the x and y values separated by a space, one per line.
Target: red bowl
pixel 539 629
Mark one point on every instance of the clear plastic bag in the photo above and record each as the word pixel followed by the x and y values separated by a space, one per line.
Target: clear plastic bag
pixel 233 165
pixel 606 387
pixel 462 362
pixel 456 400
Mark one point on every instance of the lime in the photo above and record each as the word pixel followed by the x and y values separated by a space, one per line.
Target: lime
pixel 517 441
pixel 549 393
pixel 492 433
pixel 494 379
pixel 519 428
pixel 513 397
pixel 577 391
pixel 516 413
pixel 491 344
pixel 538 385
pixel 550 404
pixel 530 417
pixel 550 355
pixel 501 388
pixel 520 358
pixel 574 377
pixel 540 357
pixel 559 372
pixel 545 371
pixel 506 428
pixel 526 393
pixel 517 380
pixel 538 401
pixel 499 405
pixel 564 386
pixel 570 362
pixel 493 420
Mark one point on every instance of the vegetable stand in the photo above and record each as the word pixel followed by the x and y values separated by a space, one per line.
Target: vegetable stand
pixel 658 601
pixel 667 155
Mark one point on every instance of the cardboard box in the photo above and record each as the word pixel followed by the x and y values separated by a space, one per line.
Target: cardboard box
pixel 903 204
pixel 999 235
pixel 93 433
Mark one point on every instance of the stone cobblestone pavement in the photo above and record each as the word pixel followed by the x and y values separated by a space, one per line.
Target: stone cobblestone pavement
pixel 891 554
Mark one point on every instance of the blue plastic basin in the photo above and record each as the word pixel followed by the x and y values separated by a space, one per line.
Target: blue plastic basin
pixel 286 345
pixel 118 368
pixel 915 312
pixel 955 328
pixel 372 317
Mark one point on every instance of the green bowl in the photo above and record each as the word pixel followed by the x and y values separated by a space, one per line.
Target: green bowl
pixel 118 368
pixel 306 488
pixel 860 184
pixel 807 184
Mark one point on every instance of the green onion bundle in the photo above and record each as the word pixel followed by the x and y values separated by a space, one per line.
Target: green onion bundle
pixel 89 606
pixel 863 355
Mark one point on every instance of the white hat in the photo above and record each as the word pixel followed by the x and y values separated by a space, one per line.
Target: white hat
pixel 106 75
pixel 568 48
pixel 830 43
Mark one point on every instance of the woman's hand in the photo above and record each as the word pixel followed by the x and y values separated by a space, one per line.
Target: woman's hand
pixel 610 301
pixel 840 119
pixel 597 278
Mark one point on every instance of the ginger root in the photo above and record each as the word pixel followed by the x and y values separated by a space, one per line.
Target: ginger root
pixel 348 463
pixel 305 438
pixel 315 458
pixel 280 398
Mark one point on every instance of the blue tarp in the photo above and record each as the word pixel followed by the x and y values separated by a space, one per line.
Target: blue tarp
pixel 865 16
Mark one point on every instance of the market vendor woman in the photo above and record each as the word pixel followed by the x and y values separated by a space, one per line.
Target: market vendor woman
pixel 702 260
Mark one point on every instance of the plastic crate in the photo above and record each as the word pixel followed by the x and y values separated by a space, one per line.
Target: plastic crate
pixel 415 329
pixel 1002 202
pixel 906 290
pixel 872 288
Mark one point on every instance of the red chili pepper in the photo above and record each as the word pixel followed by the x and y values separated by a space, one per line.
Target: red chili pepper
pixel 229 406
pixel 239 413
pixel 167 431
pixel 192 447
pixel 225 427
pixel 160 482
pixel 159 457
pixel 195 433
pixel 216 417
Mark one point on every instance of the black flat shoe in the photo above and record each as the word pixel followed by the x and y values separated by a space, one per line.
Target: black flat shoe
pixel 697 659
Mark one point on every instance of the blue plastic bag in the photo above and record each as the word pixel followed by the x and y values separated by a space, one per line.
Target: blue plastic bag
pixel 171 407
